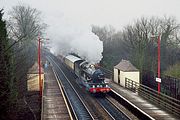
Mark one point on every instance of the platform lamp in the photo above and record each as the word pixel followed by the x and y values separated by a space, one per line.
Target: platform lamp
pixel 158 79
pixel 39 62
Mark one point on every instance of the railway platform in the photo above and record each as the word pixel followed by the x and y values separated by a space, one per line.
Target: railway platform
pixel 54 106
pixel 152 111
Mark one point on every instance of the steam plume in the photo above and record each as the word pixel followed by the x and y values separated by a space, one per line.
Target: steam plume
pixel 73 37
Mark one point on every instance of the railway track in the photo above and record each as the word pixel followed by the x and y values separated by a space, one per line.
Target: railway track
pixel 79 108
pixel 121 108
pixel 100 108
pixel 112 110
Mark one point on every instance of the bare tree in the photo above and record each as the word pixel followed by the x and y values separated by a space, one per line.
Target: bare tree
pixel 143 48
pixel 24 25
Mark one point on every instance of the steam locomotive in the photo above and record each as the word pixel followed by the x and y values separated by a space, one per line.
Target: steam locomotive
pixel 88 75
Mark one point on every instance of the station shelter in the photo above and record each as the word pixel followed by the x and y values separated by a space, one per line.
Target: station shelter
pixel 124 69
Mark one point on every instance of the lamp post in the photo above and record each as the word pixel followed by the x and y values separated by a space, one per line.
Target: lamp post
pixel 158 79
pixel 159 64
pixel 39 63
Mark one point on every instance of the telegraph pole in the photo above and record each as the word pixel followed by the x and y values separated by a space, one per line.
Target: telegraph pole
pixel 39 65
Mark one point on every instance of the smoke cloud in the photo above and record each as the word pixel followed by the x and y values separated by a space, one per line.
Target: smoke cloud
pixel 71 36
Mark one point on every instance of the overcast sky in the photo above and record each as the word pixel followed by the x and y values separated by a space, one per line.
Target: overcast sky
pixel 100 12
pixel 69 20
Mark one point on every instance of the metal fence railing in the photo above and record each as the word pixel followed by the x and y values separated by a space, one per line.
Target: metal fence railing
pixel 170 104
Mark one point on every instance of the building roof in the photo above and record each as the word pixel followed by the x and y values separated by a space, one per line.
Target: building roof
pixel 72 58
pixel 125 66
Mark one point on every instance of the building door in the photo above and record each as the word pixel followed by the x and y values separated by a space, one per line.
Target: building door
pixel 118 76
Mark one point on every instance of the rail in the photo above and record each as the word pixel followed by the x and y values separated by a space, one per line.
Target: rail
pixel 170 104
